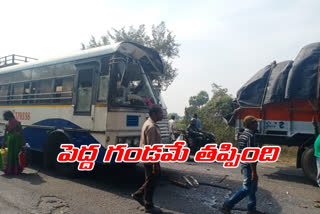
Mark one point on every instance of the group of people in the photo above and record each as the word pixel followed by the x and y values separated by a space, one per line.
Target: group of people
pixel 150 134
pixel 13 140
pixel 195 125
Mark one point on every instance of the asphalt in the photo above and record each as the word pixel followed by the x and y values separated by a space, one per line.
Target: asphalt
pixel 282 189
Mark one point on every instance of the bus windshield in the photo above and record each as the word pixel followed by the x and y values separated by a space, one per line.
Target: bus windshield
pixel 132 86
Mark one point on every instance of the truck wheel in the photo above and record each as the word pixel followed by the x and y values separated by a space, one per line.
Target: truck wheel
pixel 308 164
pixel 51 151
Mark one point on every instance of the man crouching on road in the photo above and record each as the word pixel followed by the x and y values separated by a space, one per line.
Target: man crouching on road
pixel 250 181
pixel 150 134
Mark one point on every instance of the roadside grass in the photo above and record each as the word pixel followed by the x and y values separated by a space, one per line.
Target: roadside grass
pixel 288 155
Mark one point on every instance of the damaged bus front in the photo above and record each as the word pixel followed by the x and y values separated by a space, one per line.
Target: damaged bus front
pixel 96 96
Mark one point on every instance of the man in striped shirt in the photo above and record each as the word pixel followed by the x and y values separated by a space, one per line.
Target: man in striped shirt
pixel 249 171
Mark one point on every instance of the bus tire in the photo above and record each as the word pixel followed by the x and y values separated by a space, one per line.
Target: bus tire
pixel 308 164
pixel 51 151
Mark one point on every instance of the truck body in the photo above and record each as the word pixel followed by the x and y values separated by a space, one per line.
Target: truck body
pixel 285 96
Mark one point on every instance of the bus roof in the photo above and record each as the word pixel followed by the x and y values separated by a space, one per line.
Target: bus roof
pixel 147 56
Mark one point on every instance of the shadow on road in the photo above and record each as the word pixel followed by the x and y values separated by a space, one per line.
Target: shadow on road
pixel 290 175
pixel 33 178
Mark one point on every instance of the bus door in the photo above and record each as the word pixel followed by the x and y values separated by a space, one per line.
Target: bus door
pixel 84 89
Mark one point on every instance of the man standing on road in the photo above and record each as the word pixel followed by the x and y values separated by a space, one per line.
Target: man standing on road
pixel 150 134
pixel 317 147
pixel 250 181
pixel 172 127
pixel 317 155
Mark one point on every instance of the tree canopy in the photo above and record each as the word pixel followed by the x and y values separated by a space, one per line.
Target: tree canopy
pixel 199 100
pixel 160 39
pixel 211 112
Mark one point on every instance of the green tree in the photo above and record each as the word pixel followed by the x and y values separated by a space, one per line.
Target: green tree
pixel 199 100
pixel 213 112
pixel 161 39
pixel 218 91
pixel 94 43
pixel 195 103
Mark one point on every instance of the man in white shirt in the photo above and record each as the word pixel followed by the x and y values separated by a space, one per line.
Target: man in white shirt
pixel 172 127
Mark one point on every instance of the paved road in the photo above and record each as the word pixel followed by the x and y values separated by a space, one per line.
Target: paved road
pixel 107 190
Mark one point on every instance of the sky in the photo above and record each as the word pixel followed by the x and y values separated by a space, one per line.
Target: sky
pixel 222 42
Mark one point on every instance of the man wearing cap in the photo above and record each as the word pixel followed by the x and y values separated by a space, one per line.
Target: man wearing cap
pixel 250 180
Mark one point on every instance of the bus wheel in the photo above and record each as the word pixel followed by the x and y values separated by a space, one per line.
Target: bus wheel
pixel 51 151
pixel 308 164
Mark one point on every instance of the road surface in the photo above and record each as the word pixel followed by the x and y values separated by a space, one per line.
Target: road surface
pixel 282 189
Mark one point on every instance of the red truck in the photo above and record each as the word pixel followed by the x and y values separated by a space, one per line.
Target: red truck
pixel 285 96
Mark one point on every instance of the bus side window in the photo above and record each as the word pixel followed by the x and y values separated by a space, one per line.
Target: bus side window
pixel 45 91
pixel 84 92
pixel 17 93
pixel 33 91
pixel 4 94
pixel 57 90
pixel 103 88
pixel 63 90
pixel 26 92
pixel 104 80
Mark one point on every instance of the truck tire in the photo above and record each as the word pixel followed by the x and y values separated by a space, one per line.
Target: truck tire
pixel 51 151
pixel 308 164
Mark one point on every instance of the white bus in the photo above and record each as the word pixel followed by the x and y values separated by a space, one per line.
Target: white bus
pixel 99 95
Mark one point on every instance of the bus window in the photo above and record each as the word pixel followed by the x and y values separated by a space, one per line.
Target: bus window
pixel 105 66
pixel 4 90
pixel 84 92
pixel 63 90
pixel 6 78
pixel 104 80
pixel 133 88
pixel 33 91
pixel 17 93
pixel 103 88
pixel 26 92
pixel 44 91
pixel 57 90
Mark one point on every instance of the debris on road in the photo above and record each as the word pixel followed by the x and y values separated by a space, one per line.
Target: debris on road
pixel 191 180
pixel 214 185
pixel 303 206
pixel 223 178
pixel 178 183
